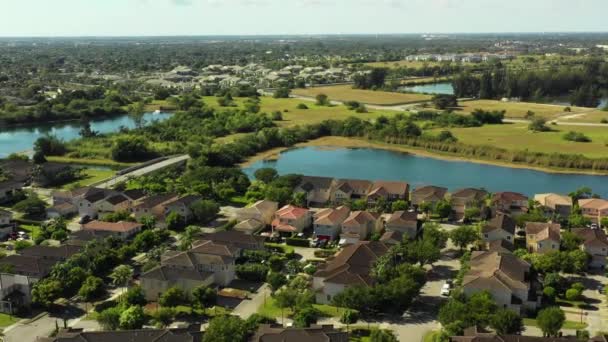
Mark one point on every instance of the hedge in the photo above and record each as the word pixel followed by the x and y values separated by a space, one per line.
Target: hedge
pixel 297 242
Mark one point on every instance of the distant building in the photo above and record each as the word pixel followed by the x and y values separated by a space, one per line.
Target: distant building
pixel 542 237
pixel 555 204
pixel 405 222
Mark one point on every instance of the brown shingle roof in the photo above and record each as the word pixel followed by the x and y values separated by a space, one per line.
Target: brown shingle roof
pixel 168 273
pixel 544 231
pixel 402 217
pixel 352 265
pixel 315 333
pixel 393 188
pixel 501 221
pixel 497 269
pixel 430 191
pixel 119 227
pixel 593 203
pixel 357 218
pixel 469 194
pixel 330 216
pixel 190 334
pixel 592 237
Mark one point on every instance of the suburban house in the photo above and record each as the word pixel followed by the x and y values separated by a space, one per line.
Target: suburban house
pixel 122 229
pixel 428 194
pixel 555 204
pixel 6 224
pixel 595 244
pixel 314 333
pixel 181 206
pixel 359 225
pixel 317 189
pixel 153 206
pixel 350 267
pixel 350 189
pixel 504 276
pixel 392 238
pixel 473 334
pixel 594 208
pixel 192 333
pixel 390 191
pixel 464 199
pixel 235 239
pixel 405 222
pixel 510 202
pixel 61 210
pixel 26 268
pixel 542 237
pixel 87 200
pixel 83 237
pixel 327 222
pixel 501 227
pixel 291 219
pixel 205 264
pixel 114 203
pixel 501 246
pixel 256 216
pixel 19 173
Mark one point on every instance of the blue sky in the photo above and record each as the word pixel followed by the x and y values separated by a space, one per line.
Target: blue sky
pixel 240 17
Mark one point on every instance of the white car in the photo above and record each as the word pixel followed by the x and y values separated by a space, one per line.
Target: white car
pixel 446 289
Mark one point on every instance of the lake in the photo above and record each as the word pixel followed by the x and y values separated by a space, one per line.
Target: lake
pixel 431 88
pixel 377 164
pixel 22 138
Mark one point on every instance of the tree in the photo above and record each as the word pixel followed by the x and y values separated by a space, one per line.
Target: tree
pixel 21 245
pixel 570 241
pixel 443 209
pixel 205 210
pixel 573 294
pixel 276 280
pixel 204 296
pixel 550 320
pixel 322 100
pixel 109 319
pixel 46 291
pixel 137 111
pixel 131 149
pixel 252 272
pixel 266 174
pixel 50 145
pixel 31 206
pixel 39 158
pixel 91 289
pixel 172 297
pixel 225 329
pixel 164 316
pixel 349 317
pixel 135 296
pixel 378 335
pixel 442 101
pixel 132 318
pixel 538 124
pixel 399 205
pixel 174 221
pixel 304 317
pixel 464 236
pixel 122 275
pixel 281 93
pixel 506 322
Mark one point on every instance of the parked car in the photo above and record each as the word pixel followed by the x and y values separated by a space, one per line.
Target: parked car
pixel 85 219
pixel 446 289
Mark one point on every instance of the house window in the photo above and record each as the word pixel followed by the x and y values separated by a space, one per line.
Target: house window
pixel 328 297
pixel 508 237
pixel 485 235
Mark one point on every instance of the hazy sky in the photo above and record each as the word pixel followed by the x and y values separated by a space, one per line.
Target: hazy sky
pixel 240 17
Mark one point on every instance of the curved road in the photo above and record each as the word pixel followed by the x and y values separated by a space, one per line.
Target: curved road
pixel 143 171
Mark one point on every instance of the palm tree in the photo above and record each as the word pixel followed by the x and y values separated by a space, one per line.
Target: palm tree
pixel 122 275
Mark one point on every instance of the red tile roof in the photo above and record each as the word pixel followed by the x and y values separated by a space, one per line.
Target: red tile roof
pixel 119 227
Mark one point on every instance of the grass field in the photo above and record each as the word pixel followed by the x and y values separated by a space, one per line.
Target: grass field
pixel 592 117
pixel 159 105
pixel 519 109
pixel 90 176
pixel 518 137
pixel 567 324
pixel 294 116
pixel 86 161
pixel 270 309
pixel 347 93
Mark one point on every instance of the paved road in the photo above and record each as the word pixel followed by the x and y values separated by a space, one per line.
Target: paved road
pixel 143 171
pixel 250 306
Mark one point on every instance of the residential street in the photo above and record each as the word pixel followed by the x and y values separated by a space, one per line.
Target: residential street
pixel 250 306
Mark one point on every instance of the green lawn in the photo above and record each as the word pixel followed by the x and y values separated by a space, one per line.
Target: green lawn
pixel 517 137
pixel 286 249
pixel 270 309
pixel 6 320
pixel 519 110
pixel 87 161
pixel 567 325
pixel 31 229
pixel 431 336
pixel 294 116
pixel 90 176
pixel 347 93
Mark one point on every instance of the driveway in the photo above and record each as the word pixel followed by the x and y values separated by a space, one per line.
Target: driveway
pixel 250 306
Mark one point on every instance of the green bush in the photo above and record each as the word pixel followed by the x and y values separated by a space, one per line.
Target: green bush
pixel 252 272
pixel 297 242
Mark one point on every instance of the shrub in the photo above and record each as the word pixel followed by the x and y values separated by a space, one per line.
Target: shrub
pixel 576 136
pixel 297 242
pixel 324 253
pixel 276 116
pixel 301 106
pixel 252 272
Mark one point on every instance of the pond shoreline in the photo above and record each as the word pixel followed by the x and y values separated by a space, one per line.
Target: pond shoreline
pixel 343 142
